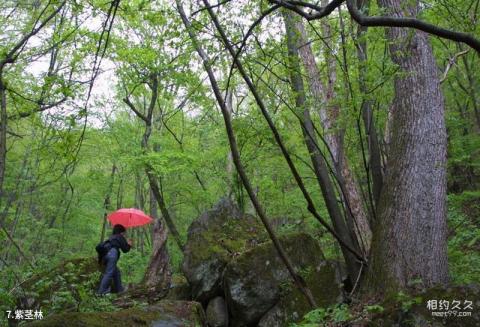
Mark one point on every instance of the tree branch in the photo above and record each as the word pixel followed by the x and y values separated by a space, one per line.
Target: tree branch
pixel 132 106
pixel 383 21
pixel 10 56
pixel 320 12
pixel 412 23
pixel 452 62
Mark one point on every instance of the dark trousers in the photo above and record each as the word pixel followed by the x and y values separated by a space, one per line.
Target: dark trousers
pixel 111 273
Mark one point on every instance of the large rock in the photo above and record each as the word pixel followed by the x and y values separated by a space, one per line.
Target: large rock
pixel 214 239
pixel 257 281
pixel 217 313
pixel 162 314
pixel 179 289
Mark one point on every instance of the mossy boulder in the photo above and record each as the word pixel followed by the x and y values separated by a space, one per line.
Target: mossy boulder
pixel 70 279
pixel 162 314
pixel 217 313
pixel 214 238
pixel 179 288
pixel 257 281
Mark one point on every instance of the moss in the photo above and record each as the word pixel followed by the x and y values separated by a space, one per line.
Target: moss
pixel 232 237
pixel 175 312
pixel 258 280
pixel 293 305
pixel 213 240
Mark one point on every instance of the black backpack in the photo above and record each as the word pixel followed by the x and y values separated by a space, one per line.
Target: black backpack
pixel 102 249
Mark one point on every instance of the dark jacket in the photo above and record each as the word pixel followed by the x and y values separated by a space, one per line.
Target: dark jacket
pixel 119 242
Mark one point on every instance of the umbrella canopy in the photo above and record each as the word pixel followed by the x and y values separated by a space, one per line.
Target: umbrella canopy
pixel 129 217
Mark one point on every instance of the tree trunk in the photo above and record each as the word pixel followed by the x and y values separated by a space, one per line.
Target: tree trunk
pixel 163 208
pixel 158 274
pixel 106 202
pixel 409 242
pixel 374 159
pixel 3 131
pixel 373 166
pixel 328 113
pixel 230 165
pixel 318 163
pixel 152 179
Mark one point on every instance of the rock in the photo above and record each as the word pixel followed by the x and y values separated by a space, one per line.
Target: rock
pixel 292 306
pixel 217 313
pixel 257 281
pixel 271 317
pixel 179 288
pixel 163 314
pixel 213 240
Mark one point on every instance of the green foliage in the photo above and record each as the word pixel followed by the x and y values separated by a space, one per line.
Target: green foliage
pixel 325 316
pixel 374 308
pixel 406 301
pixel 464 237
pixel 132 266
pixel 59 161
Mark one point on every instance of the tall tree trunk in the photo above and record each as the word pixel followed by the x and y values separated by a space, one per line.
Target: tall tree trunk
pixel 409 241
pixel 374 167
pixel 374 154
pixel 329 113
pixel 153 211
pixel 139 196
pixel 318 163
pixel 3 131
pixel 230 165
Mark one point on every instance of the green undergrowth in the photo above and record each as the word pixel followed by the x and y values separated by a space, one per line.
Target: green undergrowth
pixel 464 237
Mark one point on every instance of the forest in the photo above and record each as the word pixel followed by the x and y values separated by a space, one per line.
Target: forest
pixel 305 163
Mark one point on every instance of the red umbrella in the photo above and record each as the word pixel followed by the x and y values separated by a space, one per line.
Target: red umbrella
pixel 129 217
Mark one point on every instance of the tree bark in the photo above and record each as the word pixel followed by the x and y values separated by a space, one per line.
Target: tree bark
pixel 409 241
pixel 374 153
pixel 318 163
pixel 158 275
pixel 3 130
pixel 329 114
pixel 163 208
pixel 230 165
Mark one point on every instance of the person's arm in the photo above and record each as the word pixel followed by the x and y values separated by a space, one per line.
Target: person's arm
pixel 124 245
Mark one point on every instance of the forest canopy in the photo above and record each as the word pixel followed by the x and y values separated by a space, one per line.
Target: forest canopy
pixel 354 124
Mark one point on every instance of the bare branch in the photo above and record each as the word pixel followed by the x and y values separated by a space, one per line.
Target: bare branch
pixel 452 62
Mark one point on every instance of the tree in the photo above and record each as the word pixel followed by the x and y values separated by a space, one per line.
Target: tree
pixel 409 240
pixel 413 196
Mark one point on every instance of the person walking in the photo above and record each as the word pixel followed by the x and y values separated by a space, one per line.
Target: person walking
pixel 114 244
